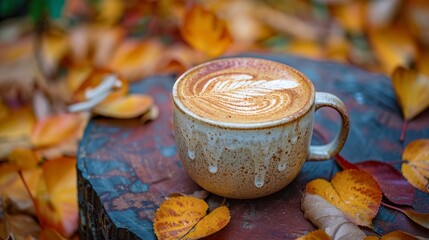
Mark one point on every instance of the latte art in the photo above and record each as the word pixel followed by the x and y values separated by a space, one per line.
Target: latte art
pixel 241 94
pixel 244 92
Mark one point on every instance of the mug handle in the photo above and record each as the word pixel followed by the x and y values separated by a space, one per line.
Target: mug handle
pixel 329 150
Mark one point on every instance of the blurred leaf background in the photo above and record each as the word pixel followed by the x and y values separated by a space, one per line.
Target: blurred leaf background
pixel 54 52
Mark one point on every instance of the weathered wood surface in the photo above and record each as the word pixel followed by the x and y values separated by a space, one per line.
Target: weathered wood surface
pixel 125 170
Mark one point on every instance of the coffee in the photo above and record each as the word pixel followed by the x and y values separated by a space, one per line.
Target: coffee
pixel 244 91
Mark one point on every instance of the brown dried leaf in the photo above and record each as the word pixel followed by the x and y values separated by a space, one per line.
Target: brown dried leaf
pixel 18 226
pixel 329 218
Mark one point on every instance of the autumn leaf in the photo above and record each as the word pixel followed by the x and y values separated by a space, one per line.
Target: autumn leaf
pixel 50 234
pixel 18 124
pixel 204 31
pixel 18 226
pixel 129 106
pixel 329 218
pixel 399 235
pixel 315 235
pixel 411 88
pixel 185 217
pixel 416 167
pixel 24 158
pixel 56 129
pixel 56 198
pixel 393 47
pixel 392 184
pixel 55 46
pixel 351 16
pixel 136 59
pixel 213 222
pixel 176 216
pixel 353 191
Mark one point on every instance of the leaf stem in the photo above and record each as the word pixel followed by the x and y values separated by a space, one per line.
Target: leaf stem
pixel 392 207
pixel 403 130
pixel 33 200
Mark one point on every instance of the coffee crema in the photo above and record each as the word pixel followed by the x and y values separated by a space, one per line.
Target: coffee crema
pixel 244 90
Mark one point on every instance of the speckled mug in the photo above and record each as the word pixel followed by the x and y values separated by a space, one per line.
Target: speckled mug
pixel 250 160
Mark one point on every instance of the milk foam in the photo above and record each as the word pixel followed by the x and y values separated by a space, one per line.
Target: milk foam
pixel 244 91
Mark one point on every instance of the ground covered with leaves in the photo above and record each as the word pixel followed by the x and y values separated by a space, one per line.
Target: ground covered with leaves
pixel 62 62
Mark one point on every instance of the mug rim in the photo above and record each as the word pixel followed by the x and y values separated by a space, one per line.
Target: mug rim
pixel 234 125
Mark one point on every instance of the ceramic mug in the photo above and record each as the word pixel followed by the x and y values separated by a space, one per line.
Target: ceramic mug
pixel 243 126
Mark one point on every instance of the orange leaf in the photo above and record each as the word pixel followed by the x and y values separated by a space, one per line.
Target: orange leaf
pixel 399 235
pixel 18 226
pixel 204 31
pixel 109 12
pixel 18 124
pixel 24 158
pixel 393 46
pixel 351 16
pixel 136 59
pixel 412 89
pixel 55 129
pixel 176 216
pixel 352 191
pixel 129 106
pixel 329 218
pixel 76 76
pixel 4 111
pixel 416 169
pixel 50 234
pixel 213 222
pixel 56 198
pixel 95 78
pixel 315 235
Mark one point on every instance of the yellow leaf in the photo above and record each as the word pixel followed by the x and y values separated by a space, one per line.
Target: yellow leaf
pixel 416 169
pixel 394 47
pixel 315 235
pixel 176 216
pixel 412 90
pixel 50 234
pixel 24 158
pixel 329 218
pixel 213 222
pixel 56 198
pixel 55 129
pixel 4 111
pixel 136 59
pixel 350 15
pixel 18 124
pixel 305 48
pixel 130 106
pixel 352 191
pixel 204 31
pixel 110 11
pixel 76 76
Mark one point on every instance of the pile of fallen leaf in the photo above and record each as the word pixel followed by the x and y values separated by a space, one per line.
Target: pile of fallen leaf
pixel 62 62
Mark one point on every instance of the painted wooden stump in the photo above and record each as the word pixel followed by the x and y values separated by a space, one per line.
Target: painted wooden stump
pixel 126 169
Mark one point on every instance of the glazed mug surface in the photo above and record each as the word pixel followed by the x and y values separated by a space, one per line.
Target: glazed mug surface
pixel 243 126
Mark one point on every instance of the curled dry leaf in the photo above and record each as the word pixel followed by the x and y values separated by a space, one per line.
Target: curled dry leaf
pixel 204 31
pixel 129 106
pixel 56 197
pixel 411 88
pixel 176 216
pixel 353 191
pixel 329 218
pixel 416 169
pixel 94 79
pixel 213 222
pixel 150 115
pixel 136 59
pixel 56 129
pixel 315 235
